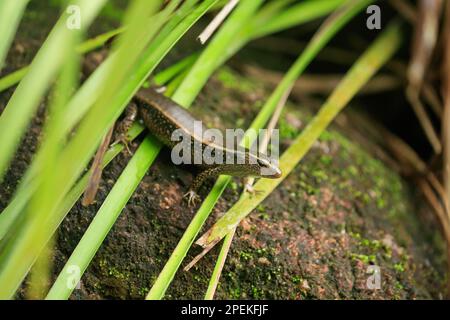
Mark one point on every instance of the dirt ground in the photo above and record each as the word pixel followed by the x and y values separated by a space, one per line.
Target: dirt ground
pixel 340 215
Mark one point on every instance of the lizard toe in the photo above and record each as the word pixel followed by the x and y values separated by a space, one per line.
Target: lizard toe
pixel 192 197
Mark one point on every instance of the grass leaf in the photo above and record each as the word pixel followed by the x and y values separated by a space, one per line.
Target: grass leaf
pixel 10 14
pixel 48 61
pixel 22 249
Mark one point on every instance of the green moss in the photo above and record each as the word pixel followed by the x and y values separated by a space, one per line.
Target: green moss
pixel 110 10
pixel 261 208
pixel 384 187
pixel 327 135
pixel 364 258
pixel 198 278
pixel 320 175
pixel 264 216
pixel 286 130
pixel 231 80
pixel 239 122
pixel 399 286
pixel 308 188
pixel 355 235
pixel 353 171
pixel 246 255
pixel 235 293
pixel 143 291
pixel 257 293
pixel 326 160
pixel 296 279
pixel 372 247
pixel 399 267
pixel 262 251
pixel 372 244
pixel 113 271
pixel 381 203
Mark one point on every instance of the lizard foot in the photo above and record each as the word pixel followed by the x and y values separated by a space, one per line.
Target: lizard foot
pixel 252 191
pixel 122 139
pixel 192 197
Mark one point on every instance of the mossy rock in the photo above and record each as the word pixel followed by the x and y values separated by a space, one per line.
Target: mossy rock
pixel 340 215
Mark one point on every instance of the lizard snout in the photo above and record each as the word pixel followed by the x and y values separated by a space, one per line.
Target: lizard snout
pixel 277 173
pixel 272 172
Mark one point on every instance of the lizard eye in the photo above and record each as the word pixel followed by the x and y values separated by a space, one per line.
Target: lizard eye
pixel 263 163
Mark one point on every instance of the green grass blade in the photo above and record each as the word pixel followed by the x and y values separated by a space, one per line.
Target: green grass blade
pixel 320 39
pixel 10 14
pixel 253 29
pixel 75 193
pixel 46 64
pixel 214 281
pixel 170 268
pixel 369 63
pixel 87 46
pixel 169 73
pixel 208 61
pixel 303 11
pixel 98 41
pixel 13 78
pixel 22 249
pixel 106 217
pixel 51 148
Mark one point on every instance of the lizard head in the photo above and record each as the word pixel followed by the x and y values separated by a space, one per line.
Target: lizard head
pixel 267 168
pixel 261 166
pixel 249 164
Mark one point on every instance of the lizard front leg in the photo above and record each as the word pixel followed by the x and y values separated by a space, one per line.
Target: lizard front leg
pixel 124 126
pixel 192 195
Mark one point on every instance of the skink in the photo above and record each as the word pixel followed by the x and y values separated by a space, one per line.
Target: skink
pixel 162 117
